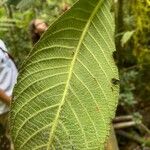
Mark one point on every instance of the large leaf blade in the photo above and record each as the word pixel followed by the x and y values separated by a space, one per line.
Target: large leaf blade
pixel 65 97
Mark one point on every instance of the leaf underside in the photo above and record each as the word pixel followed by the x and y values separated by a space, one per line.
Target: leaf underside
pixel 65 98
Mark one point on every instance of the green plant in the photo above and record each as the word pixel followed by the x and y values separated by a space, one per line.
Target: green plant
pixel 67 89
pixel 127 87
pixel 21 3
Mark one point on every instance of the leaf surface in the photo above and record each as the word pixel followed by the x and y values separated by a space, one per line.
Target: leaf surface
pixel 126 37
pixel 65 98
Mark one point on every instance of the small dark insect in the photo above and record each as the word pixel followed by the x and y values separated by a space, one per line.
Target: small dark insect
pixel 115 81
pixel 73 53
pixel 115 55
pixel 112 89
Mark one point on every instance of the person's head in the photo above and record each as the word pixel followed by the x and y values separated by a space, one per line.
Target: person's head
pixel 36 28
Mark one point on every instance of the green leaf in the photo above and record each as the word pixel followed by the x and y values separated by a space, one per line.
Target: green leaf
pixel 6 24
pixel 126 37
pixel 67 90
pixel 23 4
pixel 13 2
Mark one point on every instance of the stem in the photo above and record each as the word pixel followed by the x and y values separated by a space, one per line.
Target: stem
pixel 112 141
pixel 123 118
pixel 124 125
pixel 134 138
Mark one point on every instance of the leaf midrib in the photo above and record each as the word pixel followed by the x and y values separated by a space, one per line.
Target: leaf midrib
pixel 54 126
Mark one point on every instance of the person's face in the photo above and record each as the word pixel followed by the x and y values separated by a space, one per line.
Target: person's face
pixel 40 26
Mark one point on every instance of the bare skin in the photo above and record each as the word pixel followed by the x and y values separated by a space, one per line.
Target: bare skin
pixel 40 26
pixel 5 98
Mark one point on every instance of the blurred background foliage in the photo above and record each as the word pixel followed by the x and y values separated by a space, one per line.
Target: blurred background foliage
pixel 15 17
pixel 133 50
pixel 133 60
pixel 132 39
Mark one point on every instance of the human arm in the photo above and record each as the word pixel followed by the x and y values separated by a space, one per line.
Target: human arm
pixel 4 97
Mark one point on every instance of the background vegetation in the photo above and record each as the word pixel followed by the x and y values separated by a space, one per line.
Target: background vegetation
pixel 132 57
